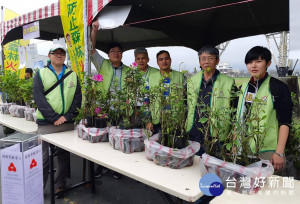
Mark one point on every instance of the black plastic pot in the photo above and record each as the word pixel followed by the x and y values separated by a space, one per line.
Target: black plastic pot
pixel 90 121
pixel 100 122
pixel 180 142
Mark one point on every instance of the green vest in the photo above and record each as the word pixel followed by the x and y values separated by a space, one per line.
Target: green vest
pixel 267 114
pixel 150 71
pixel 176 78
pixel 220 96
pixel 107 71
pixel 58 100
pixel 154 80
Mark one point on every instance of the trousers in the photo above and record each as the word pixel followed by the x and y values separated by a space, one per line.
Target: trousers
pixel 63 156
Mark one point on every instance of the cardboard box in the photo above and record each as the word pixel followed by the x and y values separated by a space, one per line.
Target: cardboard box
pixel 22 173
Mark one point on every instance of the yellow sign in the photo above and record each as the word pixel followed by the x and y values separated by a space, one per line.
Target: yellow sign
pixel 71 12
pixel 30 30
pixel 10 50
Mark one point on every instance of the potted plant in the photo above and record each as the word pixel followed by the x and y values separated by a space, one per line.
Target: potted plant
pixel 27 95
pixel 171 146
pixel 126 114
pixel 94 102
pixel 228 153
pixel 12 93
pixel 293 143
pixel 101 118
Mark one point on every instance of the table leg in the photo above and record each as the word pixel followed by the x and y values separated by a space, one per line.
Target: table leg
pixel 83 169
pixel 92 173
pixel 51 165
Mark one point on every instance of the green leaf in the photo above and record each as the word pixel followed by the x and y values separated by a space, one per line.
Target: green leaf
pixel 228 146
pixel 203 120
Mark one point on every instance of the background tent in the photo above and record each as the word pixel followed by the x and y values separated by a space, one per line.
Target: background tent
pixel 161 23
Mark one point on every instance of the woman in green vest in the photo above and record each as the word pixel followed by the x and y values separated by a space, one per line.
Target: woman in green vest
pixel 274 99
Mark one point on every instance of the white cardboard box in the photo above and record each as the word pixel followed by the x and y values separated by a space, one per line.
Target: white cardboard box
pixel 22 175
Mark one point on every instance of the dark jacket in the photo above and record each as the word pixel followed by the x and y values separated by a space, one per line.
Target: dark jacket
pixel 44 107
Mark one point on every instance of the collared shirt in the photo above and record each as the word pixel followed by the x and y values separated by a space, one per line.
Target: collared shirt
pixel 118 74
pixel 59 76
pixel 204 98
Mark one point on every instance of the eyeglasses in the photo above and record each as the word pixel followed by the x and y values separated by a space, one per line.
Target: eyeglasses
pixel 58 53
pixel 210 59
pixel 115 51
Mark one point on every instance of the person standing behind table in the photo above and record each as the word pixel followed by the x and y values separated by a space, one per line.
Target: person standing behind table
pixel 57 109
pixel 164 62
pixel 209 81
pixel 112 67
pixel 28 73
pixel 141 58
pixel 109 68
pixel 278 105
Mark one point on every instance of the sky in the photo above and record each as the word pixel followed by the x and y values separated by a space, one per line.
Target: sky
pixel 182 58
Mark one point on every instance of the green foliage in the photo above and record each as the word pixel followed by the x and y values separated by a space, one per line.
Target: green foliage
pixel 26 88
pixel 228 137
pixel 293 142
pixel 128 103
pixel 16 89
pixel 171 111
pixel 94 96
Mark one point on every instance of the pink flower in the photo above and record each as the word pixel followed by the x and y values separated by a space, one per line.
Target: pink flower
pixel 146 103
pixel 134 64
pixel 98 77
pixel 127 101
pixel 98 110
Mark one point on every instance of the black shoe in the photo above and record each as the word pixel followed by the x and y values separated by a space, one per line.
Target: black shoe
pixel 61 195
pixel 117 175
pixel 100 170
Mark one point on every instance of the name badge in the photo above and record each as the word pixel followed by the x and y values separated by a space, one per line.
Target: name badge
pixel 250 97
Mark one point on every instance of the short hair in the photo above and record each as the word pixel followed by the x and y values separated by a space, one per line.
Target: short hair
pixel 115 44
pixel 258 52
pixel 140 50
pixel 29 70
pixel 209 50
pixel 161 52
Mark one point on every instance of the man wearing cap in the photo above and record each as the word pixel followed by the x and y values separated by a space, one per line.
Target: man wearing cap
pixel 108 68
pixel 57 105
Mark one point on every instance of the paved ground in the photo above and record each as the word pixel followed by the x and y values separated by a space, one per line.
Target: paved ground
pixel 108 189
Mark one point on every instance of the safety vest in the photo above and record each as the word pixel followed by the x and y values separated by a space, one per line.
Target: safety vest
pixel 220 97
pixel 107 71
pixel 267 114
pixel 60 98
pixel 154 80
pixel 149 72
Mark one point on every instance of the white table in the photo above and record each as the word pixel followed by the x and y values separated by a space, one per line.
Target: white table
pixel 182 183
pixel 277 194
pixel 18 124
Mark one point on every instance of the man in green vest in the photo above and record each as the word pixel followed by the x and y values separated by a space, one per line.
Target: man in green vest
pixel 209 88
pixel 57 105
pixel 276 106
pixel 170 77
pixel 109 68
pixel 142 59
